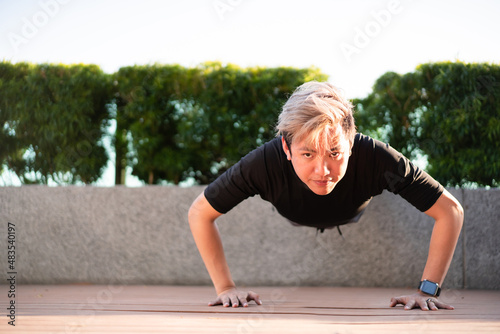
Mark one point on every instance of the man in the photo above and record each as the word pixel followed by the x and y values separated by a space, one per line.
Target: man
pixel 318 172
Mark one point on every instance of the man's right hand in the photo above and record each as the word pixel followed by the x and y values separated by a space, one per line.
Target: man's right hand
pixel 206 235
pixel 233 297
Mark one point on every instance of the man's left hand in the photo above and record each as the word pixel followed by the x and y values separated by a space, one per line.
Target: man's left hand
pixel 421 301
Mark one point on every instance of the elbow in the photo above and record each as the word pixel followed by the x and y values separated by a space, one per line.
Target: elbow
pixel 192 213
pixel 448 210
pixel 458 214
pixel 201 211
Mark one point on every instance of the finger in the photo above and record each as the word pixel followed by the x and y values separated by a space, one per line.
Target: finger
pixel 218 301
pixel 225 301
pixel 410 305
pixel 423 304
pixel 442 305
pixel 235 301
pixel 432 305
pixel 395 301
pixel 254 296
pixel 243 299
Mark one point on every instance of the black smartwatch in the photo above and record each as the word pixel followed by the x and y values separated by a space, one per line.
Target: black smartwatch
pixel 430 288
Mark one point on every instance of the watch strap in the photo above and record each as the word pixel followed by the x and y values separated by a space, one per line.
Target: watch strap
pixel 425 283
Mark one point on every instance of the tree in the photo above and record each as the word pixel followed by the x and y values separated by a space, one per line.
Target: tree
pixel 448 112
pixel 232 112
pixel 193 123
pixel 54 119
pixel 391 111
pixel 11 86
pixel 147 98
pixel 460 128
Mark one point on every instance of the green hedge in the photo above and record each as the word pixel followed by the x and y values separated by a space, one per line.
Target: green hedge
pixel 172 123
pixel 460 130
pixel 175 123
pixel 447 112
pixel 194 123
pixel 53 118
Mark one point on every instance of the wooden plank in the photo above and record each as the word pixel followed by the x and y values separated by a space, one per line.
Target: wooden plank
pixel 183 309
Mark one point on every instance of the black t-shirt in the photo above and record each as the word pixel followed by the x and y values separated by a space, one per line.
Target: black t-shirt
pixel 373 166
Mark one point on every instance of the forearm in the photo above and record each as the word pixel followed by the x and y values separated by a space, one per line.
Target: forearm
pixel 208 241
pixel 448 214
pixel 442 246
pixel 207 238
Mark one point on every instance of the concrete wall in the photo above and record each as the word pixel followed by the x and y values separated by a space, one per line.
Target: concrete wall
pixel 141 236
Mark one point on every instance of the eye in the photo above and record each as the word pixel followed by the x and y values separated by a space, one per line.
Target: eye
pixel 307 155
pixel 335 155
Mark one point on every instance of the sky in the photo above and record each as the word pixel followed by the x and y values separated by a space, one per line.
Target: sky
pixel 354 42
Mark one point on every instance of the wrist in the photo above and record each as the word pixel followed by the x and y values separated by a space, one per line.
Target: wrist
pixel 224 288
pixel 429 288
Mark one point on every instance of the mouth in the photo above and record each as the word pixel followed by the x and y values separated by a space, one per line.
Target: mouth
pixel 322 183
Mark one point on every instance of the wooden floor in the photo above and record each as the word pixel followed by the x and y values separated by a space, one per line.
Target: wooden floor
pixel 173 309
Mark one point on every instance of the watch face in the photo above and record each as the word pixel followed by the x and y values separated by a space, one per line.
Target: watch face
pixel 428 287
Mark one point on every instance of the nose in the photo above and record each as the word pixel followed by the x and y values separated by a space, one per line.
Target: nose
pixel 321 167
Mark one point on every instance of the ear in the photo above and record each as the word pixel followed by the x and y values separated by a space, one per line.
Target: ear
pixel 286 149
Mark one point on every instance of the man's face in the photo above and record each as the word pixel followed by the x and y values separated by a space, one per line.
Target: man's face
pixel 320 171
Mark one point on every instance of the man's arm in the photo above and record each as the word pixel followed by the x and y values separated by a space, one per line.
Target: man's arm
pixel 449 216
pixel 207 238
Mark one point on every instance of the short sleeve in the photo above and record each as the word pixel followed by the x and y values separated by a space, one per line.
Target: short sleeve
pixel 397 174
pixel 242 180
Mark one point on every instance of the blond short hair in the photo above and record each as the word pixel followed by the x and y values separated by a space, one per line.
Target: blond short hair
pixel 312 112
